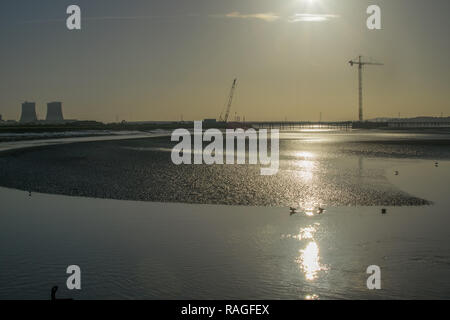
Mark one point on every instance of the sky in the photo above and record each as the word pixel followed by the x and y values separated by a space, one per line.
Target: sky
pixel 139 60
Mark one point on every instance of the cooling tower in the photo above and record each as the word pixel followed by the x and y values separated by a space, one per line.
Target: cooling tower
pixel 54 112
pixel 28 112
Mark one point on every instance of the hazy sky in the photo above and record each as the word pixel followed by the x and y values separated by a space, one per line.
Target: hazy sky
pixel 159 59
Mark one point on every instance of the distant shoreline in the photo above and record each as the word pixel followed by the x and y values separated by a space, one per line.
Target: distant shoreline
pixel 24 132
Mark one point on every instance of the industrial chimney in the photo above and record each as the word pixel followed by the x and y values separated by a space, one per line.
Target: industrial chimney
pixel 28 112
pixel 54 112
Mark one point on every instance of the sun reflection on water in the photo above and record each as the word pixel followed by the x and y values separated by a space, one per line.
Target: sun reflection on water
pixel 307 232
pixel 305 155
pixel 306 167
pixel 309 259
pixel 312 297
pixel 312 208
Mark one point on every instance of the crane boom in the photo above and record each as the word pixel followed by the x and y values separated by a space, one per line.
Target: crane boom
pixel 230 101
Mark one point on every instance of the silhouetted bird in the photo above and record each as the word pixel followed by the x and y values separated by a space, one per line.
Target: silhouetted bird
pixel 293 210
pixel 320 210
pixel 383 211
pixel 396 173
pixel 53 296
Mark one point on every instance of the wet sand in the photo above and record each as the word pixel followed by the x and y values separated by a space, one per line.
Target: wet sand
pixel 332 173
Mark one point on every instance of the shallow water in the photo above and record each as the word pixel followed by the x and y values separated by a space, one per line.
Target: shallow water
pixel 152 250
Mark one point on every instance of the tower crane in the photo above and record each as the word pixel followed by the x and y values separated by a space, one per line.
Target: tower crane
pixel 360 63
pixel 230 101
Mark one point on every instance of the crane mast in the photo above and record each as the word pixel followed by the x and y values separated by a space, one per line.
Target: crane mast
pixel 230 101
pixel 360 63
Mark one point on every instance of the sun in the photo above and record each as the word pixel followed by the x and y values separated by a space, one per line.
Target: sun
pixel 308 2
pixel 305 3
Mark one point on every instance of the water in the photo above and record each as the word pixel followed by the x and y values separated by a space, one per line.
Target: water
pixel 155 250
pixel 327 168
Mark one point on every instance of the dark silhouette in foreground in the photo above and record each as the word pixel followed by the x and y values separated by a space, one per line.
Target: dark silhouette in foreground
pixel 53 296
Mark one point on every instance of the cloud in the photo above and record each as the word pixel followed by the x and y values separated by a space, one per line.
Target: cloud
pixel 311 17
pixel 271 17
pixel 268 17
